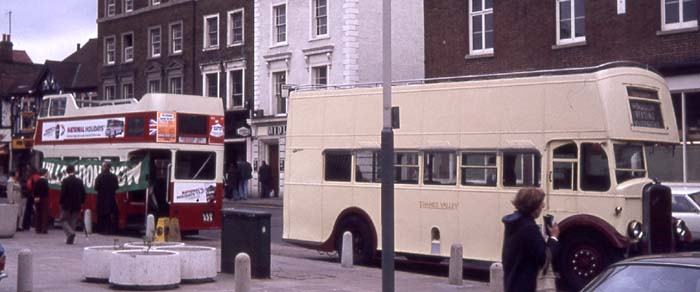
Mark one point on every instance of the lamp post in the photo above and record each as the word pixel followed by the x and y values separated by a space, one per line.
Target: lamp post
pixel 387 154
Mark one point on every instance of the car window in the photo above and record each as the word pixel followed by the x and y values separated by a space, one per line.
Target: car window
pixel 695 197
pixel 647 278
pixel 682 204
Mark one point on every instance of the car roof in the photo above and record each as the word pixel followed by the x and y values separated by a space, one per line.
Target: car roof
pixel 684 189
pixel 686 259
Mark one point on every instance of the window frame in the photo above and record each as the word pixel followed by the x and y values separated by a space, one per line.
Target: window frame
pixel 376 167
pixel 173 39
pixel 537 167
pixel 170 84
pixel 124 47
pixel 573 39
pixel 111 8
pixel 205 84
pixel 156 81
pixel 314 20
pixel 424 166
pixel 124 85
pixel 482 13
pixel 655 101
pixel 108 51
pixel 230 41
pixel 113 91
pixel 177 163
pixel 152 44
pixel 574 163
pixel 230 95
pixel 155 2
pixel 206 46
pixel 349 152
pixel 681 24
pixel 275 26
pixel 313 78
pixel 276 96
pixel 418 166
pixel 463 166
pixel 126 6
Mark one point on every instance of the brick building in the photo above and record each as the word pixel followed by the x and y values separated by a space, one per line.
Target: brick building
pixel 183 47
pixel 485 36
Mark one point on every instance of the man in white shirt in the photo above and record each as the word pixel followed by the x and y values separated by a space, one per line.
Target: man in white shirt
pixel 14 196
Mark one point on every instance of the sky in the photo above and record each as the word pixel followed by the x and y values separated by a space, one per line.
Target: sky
pixel 49 29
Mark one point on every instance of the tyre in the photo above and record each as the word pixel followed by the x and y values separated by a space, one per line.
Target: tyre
pixel 582 257
pixel 363 251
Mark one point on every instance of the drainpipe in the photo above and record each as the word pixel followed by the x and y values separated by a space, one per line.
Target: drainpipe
pixel 684 124
pixel 194 47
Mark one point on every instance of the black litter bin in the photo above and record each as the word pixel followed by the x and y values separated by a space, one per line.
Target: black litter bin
pixel 249 232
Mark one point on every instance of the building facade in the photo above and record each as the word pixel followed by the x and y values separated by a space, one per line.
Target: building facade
pixel 181 47
pixel 320 43
pixel 484 36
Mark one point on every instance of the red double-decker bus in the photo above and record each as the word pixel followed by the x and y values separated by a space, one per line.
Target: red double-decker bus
pixel 166 149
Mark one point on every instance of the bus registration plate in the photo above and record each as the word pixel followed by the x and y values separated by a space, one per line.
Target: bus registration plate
pixel 207 216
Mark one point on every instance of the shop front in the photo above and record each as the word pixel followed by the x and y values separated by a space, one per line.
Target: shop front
pixel 269 146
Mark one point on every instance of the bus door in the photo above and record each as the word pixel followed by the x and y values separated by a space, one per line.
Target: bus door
pixel 158 190
pixel 194 192
pixel 562 176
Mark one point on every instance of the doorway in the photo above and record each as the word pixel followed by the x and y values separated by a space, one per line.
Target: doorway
pixel 273 155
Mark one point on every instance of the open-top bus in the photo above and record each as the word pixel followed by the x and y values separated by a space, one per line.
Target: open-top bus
pixel 463 150
pixel 166 149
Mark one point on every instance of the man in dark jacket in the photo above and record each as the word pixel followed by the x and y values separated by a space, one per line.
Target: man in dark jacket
pixel 523 245
pixel 106 185
pixel 265 178
pixel 41 202
pixel 232 179
pixel 246 174
pixel 72 199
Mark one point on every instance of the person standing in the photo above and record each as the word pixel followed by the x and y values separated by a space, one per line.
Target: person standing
pixel 72 199
pixel 15 197
pixel 246 172
pixel 41 202
pixel 31 178
pixel 233 177
pixel 524 248
pixel 265 178
pixel 106 185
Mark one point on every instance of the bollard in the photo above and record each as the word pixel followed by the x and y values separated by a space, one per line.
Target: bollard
pixel 346 260
pixel 496 282
pixel 242 274
pixel 456 265
pixel 150 227
pixel 87 222
pixel 25 273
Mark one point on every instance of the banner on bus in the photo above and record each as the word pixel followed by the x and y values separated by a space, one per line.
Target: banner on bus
pixel 167 128
pixel 133 175
pixel 216 130
pixel 83 129
pixel 194 192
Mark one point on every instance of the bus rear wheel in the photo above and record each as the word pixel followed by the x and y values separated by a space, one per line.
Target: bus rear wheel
pixel 582 258
pixel 362 250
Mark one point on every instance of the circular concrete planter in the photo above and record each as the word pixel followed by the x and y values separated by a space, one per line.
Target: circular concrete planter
pixel 144 270
pixel 8 219
pixel 154 245
pixel 198 263
pixel 96 261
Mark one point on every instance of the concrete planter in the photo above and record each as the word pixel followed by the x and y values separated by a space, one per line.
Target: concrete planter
pixel 96 261
pixel 144 270
pixel 198 262
pixel 154 245
pixel 8 219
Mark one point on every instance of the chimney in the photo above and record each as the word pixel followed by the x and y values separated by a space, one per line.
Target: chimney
pixel 6 49
pixel 78 47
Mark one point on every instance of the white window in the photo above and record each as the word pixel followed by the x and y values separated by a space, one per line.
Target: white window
pixel 154 39
pixel 128 90
pixel 320 75
pixel 155 2
pixel 279 79
pixel 128 45
pixel 320 18
pixel 235 27
pixel 480 27
pixel 677 14
pixel 109 92
pixel 110 50
pixel 111 7
pixel 128 5
pixel 210 84
pixel 571 21
pixel 176 38
pixel 154 85
pixel 176 85
pixel 235 89
pixel 280 19
pixel 211 32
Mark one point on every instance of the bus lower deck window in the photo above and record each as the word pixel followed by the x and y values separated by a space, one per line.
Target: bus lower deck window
pixel 521 169
pixel 338 165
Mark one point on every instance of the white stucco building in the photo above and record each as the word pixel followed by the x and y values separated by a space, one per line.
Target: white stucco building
pixel 325 42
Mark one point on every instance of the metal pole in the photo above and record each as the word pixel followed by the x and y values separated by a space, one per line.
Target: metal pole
pixel 387 154
pixel 684 123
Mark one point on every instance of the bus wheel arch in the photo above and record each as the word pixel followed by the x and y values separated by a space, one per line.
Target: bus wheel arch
pixel 364 234
pixel 587 246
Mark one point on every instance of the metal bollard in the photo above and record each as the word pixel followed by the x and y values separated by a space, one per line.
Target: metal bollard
pixel 242 274
pixel 456 265
pixel 346 260
pixel 25 271
pixel 87 222
pixel 150 227
pixel 496 282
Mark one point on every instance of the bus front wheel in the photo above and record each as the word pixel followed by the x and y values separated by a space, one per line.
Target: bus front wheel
pixel 582 258
pixel 362 250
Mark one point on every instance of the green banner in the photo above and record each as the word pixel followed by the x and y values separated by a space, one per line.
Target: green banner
pixel 132 174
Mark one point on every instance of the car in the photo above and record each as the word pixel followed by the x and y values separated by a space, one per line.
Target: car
pixel 686 206
pixel 678 272
pixel 2 263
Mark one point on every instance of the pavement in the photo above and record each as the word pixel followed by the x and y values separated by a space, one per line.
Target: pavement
pixel 57 267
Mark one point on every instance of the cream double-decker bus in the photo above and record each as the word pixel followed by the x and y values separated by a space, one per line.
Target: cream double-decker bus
pixel 463 150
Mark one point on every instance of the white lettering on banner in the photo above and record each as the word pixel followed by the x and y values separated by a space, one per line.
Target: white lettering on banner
pixel 89 173
pixel 194 192
pixel 83 129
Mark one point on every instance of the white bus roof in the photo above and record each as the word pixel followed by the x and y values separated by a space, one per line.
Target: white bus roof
pixel 163 102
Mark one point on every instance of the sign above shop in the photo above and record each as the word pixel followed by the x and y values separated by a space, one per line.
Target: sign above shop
pixel 243 132
pixel 280 130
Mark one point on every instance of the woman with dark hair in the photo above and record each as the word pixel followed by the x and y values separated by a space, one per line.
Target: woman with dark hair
pixel 524 247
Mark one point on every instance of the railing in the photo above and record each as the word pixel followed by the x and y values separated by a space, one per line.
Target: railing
pixel 96 103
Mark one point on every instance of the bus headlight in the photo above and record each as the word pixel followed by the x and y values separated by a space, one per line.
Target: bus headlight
pixel 680 228
pixel 634 230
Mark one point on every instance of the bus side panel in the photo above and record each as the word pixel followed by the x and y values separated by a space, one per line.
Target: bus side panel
pixel 305 203
pixel 336 198
pixel 477 210
pixel 198 216
pixel 54 203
